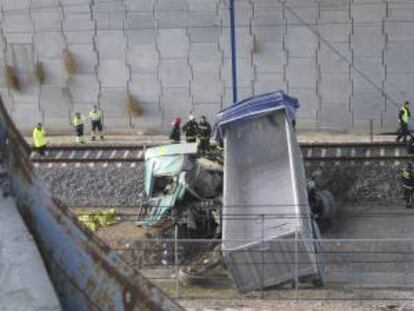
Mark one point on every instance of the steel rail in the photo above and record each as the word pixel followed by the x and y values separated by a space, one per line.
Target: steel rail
pixel 306 159
pixel 149 145
pixel 88 160
pixel 96 147
pixel 324 152
pixel 350 144
pixel 359 158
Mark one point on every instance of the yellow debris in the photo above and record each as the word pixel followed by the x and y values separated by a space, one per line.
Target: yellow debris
pixel 95 220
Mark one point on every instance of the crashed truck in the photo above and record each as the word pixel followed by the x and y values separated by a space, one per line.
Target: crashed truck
pixel 265 199
pixel 269 236
pixel 183 187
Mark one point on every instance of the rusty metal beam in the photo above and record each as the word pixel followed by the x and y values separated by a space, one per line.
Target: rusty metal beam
pixel 85 273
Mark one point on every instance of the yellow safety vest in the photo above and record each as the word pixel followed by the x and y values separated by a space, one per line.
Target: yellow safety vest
pixel 405 174
pixel 77 121
pixel 96 115
pixel 39 137
pixel 404 116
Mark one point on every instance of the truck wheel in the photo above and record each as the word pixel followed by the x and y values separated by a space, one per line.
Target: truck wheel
pixel 331 203
pixel 323 205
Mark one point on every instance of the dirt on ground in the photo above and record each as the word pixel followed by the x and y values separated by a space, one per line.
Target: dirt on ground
pixel 129 240
pixel 125 237
pixel 300 305
pixel 124 229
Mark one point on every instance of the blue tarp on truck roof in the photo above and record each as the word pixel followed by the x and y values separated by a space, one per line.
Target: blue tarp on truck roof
pixel 252 106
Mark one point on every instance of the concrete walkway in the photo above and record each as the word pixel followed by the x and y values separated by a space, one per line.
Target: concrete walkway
pixel 302 136
pixel 24 282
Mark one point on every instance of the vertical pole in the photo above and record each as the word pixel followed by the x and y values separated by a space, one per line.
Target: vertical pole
pixel 233 50
pixel 177 281
pixel 371 130
pixel 262 258
pixel 296 267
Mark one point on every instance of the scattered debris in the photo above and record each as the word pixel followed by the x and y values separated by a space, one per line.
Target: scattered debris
pixel 181 185
pixel 182 191
pixel 208 271
pixel 103 218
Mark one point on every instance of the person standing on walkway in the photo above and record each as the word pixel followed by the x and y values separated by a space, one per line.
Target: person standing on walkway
pixel 96 116
pixel 78 124
pixel 190 130
pixel 39 139
pixel 407 181
pixel 403 117
pixel 204 133
pixel 175 134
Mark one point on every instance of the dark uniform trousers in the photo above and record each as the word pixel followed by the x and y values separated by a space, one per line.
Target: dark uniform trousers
pixel 408 187
pixel 79 130
pixel 204 135
pixel 97 125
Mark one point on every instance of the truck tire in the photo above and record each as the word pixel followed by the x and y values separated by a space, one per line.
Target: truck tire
pixel 326 208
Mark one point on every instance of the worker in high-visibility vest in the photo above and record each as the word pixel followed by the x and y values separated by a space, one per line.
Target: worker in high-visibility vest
pixel 407 181
pixel 78 124
pixel 96 116
pixel 39 139
pixel 403 117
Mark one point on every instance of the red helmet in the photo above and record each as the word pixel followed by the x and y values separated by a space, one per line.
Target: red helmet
pixel 177 121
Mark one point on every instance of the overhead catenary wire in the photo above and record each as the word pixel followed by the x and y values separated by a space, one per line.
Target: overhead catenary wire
pixel 342 56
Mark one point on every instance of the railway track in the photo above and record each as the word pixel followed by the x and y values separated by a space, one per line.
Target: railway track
pixel 133 154
pixel 354 152
pixel 91 154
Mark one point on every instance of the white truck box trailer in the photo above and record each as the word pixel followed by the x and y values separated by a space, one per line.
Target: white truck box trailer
pixel 268 232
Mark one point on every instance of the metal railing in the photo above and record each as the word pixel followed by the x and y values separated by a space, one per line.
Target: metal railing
pixel 194 268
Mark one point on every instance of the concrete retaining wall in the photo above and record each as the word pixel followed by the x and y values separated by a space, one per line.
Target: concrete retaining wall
pixel 361 182
pixel 174 56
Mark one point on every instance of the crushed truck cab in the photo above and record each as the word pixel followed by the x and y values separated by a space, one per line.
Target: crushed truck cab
pixel 175 175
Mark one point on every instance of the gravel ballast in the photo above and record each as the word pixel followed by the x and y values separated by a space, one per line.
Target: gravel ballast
pixel 121 186
pixel 94 186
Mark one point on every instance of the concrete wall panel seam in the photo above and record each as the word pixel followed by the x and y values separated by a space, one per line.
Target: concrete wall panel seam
pixel 275 49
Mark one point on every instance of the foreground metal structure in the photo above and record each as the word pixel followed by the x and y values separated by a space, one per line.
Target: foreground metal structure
pixel 86 274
